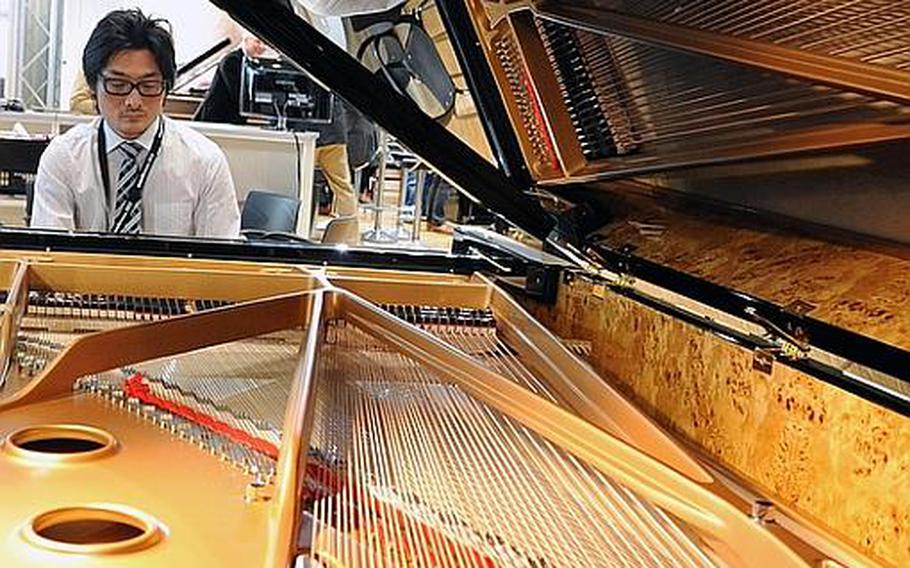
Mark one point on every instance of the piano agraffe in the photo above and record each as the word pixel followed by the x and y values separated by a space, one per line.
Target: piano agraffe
pixel 724 387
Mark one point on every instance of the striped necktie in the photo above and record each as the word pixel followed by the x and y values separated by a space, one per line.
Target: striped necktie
pixel 127 213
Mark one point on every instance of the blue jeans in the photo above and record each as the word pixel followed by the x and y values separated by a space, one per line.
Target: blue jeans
pixel 435 194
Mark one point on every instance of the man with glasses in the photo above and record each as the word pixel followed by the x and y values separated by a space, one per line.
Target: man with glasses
pixel 133 170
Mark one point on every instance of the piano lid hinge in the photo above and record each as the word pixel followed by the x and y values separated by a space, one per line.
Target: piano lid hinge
pixel 583 260
pixel 624 280
pixel 790 343
pixel 624 277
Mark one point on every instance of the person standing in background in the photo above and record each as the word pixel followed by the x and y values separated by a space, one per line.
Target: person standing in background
pixel 222 104
pixel 82 100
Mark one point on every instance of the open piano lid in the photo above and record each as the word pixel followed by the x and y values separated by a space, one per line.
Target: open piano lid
pixel 854 357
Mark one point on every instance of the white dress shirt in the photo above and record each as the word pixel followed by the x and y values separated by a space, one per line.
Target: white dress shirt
pixel 189 190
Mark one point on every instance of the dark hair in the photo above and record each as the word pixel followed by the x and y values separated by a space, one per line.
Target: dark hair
pixel 128 29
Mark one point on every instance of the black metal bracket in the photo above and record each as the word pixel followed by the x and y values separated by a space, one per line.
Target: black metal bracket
pixel 541 271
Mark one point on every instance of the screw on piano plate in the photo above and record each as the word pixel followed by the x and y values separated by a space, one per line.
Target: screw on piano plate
pixel 166 420
pixel 157 416
pixel 148 412
pixel 132 404
pixel 178 427
pixel 215 444
pixel 195 436
pixel 117 396
pixel 248 460
pixel 182 428
pixel 256 490
pixel 226 451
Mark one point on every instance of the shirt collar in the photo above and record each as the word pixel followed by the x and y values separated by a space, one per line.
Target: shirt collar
pixel 113 140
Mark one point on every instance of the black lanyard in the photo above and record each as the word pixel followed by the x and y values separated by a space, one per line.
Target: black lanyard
pixel 136 192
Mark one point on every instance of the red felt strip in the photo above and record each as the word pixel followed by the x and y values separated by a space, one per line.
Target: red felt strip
pixel 137 387
pixel 541 123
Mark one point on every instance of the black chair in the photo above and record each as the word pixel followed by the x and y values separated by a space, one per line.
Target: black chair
pixel 265 212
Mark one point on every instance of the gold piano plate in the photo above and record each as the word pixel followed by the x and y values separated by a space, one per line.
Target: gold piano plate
pixel 350 417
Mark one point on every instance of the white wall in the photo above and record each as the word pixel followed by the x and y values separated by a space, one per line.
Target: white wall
pixel 196 24
pixel 6 38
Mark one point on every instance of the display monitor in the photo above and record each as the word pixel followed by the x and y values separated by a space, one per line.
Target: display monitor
pixel 275 89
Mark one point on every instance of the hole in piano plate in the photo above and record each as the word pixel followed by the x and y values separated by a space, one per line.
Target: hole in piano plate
pixel 61 446
pixel 92 529
pixel 60 442
pixel 89 531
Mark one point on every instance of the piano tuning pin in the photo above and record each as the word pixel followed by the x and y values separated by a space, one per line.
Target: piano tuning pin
pixel 256 490
pixel 103 389
pixel 181 428
pixel 225 451
pixel 148 410
pixel 170 422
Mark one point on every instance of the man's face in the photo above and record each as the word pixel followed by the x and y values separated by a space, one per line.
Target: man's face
pixel 254 48
pixel 130 114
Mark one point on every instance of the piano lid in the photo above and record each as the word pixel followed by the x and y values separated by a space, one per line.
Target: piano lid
pixel 765 110
pixel 576 91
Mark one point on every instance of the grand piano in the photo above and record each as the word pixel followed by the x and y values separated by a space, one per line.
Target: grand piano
pixel 689 346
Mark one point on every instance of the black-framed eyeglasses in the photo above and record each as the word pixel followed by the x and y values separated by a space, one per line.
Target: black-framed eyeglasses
pixel 122 87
